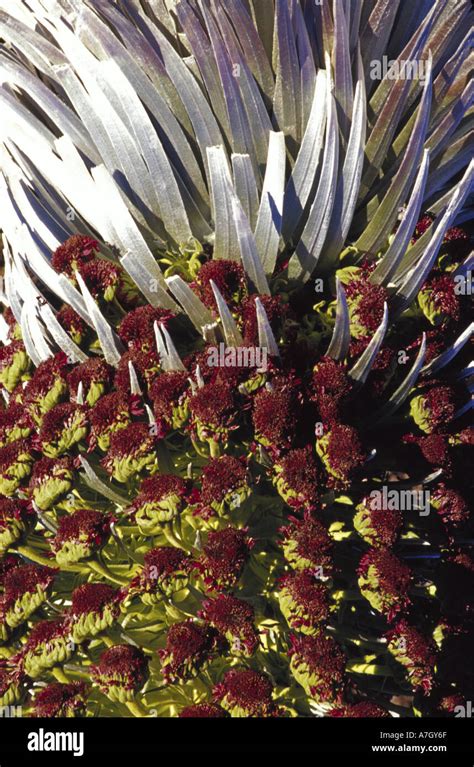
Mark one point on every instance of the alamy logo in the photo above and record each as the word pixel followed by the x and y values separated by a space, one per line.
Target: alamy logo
pixel 400 500
pixel 398 69
pixel 460 712
pixel 237 357
pixel 56 741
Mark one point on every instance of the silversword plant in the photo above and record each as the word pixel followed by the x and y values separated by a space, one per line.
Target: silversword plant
pixel 180 538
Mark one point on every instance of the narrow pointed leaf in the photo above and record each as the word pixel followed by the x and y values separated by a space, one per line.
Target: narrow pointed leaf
pixel 341 336
pixel 363 366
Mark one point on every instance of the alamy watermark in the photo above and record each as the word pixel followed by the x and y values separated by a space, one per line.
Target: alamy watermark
pixel 400 500
pixel 398 69
pixel 238 357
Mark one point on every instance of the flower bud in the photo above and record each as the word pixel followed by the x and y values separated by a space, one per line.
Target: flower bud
pixel 14 364
pixel 61 700
pixel 15 465
pixel 132 450
pixel 384 581
pixel 62 427
pixel 433 408
pixel 110 414
pixel 137 327
pixel 246 693
pixel 165 571
pixel 234 619
pixel 15 520
pixel 365 300
pixel 275 413
pixel 341 452
pixel 229 278
pixel 95 375
pixel 161 499
pixel 330 387
pixel 121 672
pixel 318 665
pixel 212 412
pixel 450 505
pixel 72 254
pixel 224 485
pixel 51 479
pixel 146 365
pixel 379 527
pixel 307 545
pixel 48 645
pixel 9 684
pixel 297 478
pixel 94 608
pixel 303 601
pixel 438 300
pixel 225 554
pixel 14 424
pixel 25 589
pixel 169 393
pixel 80 535
pixel 189 646
pixel 415 652
pixel 73 324
pixel 47 387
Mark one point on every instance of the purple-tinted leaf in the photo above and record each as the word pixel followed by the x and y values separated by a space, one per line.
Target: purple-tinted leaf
pixel 380 226
pixel 392 257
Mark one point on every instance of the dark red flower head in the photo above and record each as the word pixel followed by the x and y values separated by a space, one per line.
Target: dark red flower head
pixel 307 545
pixel 109 414
pixel 169 392
pixel 384 581
pixel 434 407
pixel 277 312
pixel 275 413
pixel 165 569
pixel 303 601
pixel 203 711
pixel 14 423
pixel 225 554
pixel 76 251
pixel 27 579
pixel 439 301
pixel 189 646
pixel 95 376
pixel 318 664
pixel 93 598
pixel 72 323
pixel 450 505
pixel 330 387
pixel 136 329
pixel 246 693
pixel 414 651
pixel 297 478
pixel 341 451
pixel 363 710
pixel 228 276
pixel 234 619
pixel 146 365
pixel 85 527
pixel 61 700
pixel 121 672
pixel 212 410
pixel 224 484
pixel 379 527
